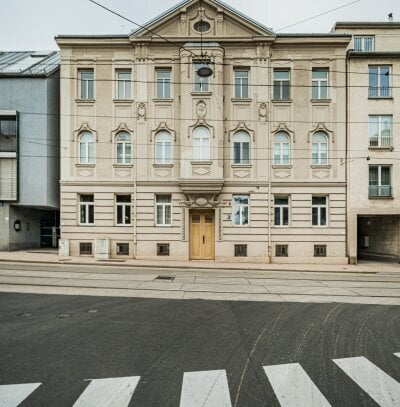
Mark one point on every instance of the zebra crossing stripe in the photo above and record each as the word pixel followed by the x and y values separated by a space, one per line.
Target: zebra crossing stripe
pixel 111 392
pixel 205 389
pixel 293 387
pixel 11 395
pixel 379 385
pixel 397 354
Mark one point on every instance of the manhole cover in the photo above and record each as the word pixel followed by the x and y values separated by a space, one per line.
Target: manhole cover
pixel 167 278
pixel 63 315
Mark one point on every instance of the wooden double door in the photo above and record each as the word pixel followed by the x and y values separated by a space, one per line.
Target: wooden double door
pixel 202 234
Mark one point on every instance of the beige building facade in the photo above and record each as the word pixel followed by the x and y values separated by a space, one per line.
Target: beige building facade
pixel 248 164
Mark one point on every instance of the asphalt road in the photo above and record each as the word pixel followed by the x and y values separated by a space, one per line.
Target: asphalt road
pixel 61 341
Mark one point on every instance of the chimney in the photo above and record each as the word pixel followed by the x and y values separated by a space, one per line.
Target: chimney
pixel 390 15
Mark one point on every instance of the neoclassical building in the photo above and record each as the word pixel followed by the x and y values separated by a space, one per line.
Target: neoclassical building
pixel 248 164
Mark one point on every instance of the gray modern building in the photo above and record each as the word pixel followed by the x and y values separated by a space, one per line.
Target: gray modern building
pixel 29 149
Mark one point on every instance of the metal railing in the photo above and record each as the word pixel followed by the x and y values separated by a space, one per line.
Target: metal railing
pixel 379 92
pixel 379 191
pixel 382 141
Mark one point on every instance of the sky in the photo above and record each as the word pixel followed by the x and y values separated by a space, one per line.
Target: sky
pixel 33 24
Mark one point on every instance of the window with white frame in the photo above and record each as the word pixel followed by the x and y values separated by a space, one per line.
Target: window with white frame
pixel 319 148
pixel 319 210
pixel 380 184
pixel 86 209
pixel 281 148
pixel 240 210
pixel 201 83
pixel 123 83
pixel 163 210
pixel 379 81
pixel 241 147
pixel 281 84
pixel 281 210
pixel 123 204
pixel 201 144
pixel 319 83
pixel 163 83
pixel 163 147
pixel 124 148
pixel 364 43
pixel 86 148
pixel 380 131
pixel 241 80
pixel 86 82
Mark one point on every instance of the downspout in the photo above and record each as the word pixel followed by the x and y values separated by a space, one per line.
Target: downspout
pixel 269 164
pixel 347 159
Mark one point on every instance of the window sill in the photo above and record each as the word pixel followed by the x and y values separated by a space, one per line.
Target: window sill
pixel 320 226
pixel 380 97
pixel 200 162
pixel 122 165
pixel 281 101
pixel 163 165
pixel 86 224
pixel 241 100
pixel 380 197
pixel 325 101
pixel 241 226
pixel 123 100
pixel 163 226
pixel 321 166
pixel 390 148
pixel 162 100
pixel 4 154
pixel 124 225
pixel 80 165
pixel 208 93
pixel 282 166
pixel 241 166
pixel 90 101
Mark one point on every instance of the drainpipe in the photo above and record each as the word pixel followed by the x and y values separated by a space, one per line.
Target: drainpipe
pixel 347 158
pixel 269 170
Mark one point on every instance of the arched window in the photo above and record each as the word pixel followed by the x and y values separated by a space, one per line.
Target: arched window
pixel 241 147
pixel 281 148
pixel 124 148
pixel 86 148
pixel 319 148
pixel 163 146
pixel 201 144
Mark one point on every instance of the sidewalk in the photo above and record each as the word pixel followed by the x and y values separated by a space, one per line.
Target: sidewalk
pixel 51 257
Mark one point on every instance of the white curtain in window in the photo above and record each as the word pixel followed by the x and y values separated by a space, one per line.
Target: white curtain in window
pixel 201 144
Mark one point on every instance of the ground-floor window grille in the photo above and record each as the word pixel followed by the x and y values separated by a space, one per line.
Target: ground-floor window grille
pixel 320 250
pixel 123 249
pixel 85 248
pixel 281 250
pixel 162 249
pixel 240 250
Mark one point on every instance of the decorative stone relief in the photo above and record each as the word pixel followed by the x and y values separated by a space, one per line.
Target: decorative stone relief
pixel 263 111
pixel 241 126
pixel 162 173
pixel 321 174
pixel 201 109
pixel 241 174
pixel 85 173
pixel 282 174
pixel 201 201
pixel 201 170
pixel 141 111
pixel 122 173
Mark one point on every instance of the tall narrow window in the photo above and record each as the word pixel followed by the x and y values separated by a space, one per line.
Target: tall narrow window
pixel 86 209
pixel 241 78
pixel 241 148
pixel 319 210
pixel 163 148
pixel 123 209
pixel 319 83
pixel 380 131
pixel 124 148
pixel 379 181
pixel 123 84
pixel 281 148
pixel 240 207
pixel 163 83
pixel 201 144
pixel 86 80
pixel 281 84
pixel 8 135
pixel 200 82
pixel 379 82
pixel 319 148
pixel 281 210
pixel 163 210
pixel 86 148
pixel 364 43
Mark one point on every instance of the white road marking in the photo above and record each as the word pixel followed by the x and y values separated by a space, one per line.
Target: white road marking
pixel 293 387
pixel 397 354
pixel 111 392
pixel 11 395
pixel 379 385
pixel 205 389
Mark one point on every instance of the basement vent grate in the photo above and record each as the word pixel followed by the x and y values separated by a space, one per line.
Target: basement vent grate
pixel 168 278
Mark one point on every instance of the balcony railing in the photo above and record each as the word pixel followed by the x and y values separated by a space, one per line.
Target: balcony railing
pixel 379 92
pixel 384 141
pixel 377 191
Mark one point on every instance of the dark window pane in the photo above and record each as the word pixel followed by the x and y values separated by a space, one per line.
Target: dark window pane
pixel 91 213
pixel 236 153
pixel 323 216
pixel 127 214
pixel 277 216
pixel 119 214
pixel 285 216
pixel 315 216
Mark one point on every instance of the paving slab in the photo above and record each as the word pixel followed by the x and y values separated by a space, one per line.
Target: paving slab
pixel 313 291
pixel 231 288
pixel 221 280
pixel 281 282
pixel 162 286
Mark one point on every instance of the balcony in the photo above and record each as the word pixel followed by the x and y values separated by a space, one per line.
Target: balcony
pixel 379 191
pixel 379 92
pixel 384 141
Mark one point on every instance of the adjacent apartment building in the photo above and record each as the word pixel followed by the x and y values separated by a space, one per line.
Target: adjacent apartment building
pixel 29 149
pixel 249 163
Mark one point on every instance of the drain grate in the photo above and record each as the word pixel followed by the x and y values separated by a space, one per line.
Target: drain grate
pixel 165 278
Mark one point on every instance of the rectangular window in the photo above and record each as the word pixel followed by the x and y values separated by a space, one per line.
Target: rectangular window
pixel 122 249
pixel 8 134
pixel 281 84
pixel 85 249
pixel 163 210
pixel 86 209
pixel 380 131
pixel 162 249
pixel 86 79
pixel 123 209
pixel 201 84
pixel 281 250
pixel 241 80
pixel 379 82
pixel 380 184
pixel 240 206
pixel 364 43
pixel 124 83
pixel 240 250
pixel 320 250
pixel 281 210
pixel 320 83
pixel 319 210
pixel 163 83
